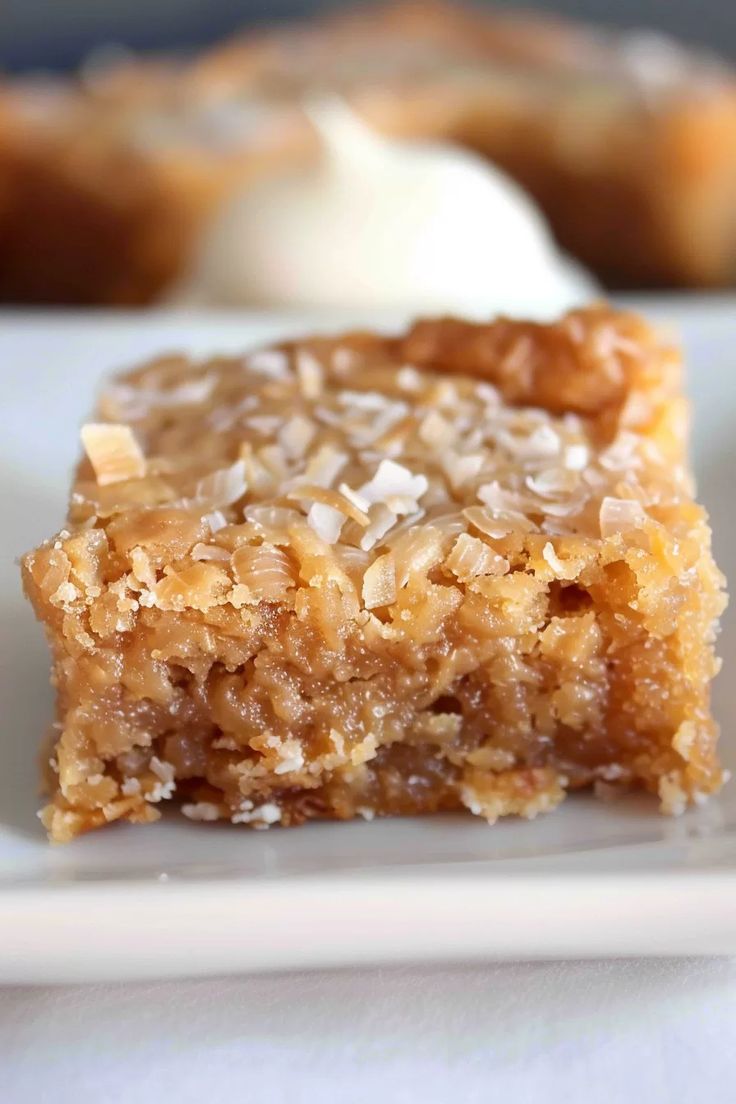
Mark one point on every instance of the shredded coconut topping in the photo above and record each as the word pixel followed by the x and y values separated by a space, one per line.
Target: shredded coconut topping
pixel 360 453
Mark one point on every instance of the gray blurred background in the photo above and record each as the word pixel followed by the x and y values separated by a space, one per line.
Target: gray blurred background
pixel 56 34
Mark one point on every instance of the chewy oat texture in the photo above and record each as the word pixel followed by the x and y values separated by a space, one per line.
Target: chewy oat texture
pixel 461 568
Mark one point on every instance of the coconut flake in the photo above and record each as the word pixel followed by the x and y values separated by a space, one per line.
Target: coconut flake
pixel 202 551
pixel 310 374
pixel 143 570
pixel 393 480
pixel 296 436
pixel 408 378
pixel 260 816
pixel 201 810
pixel 542 443
pixel 619 515
pixel 133 403
pixel 291 757
pixel 435 431
pixel 113 452
pixel 488 394
pixel 461 469
pixel 271 520
pixel 223 418
pixel 370 401
pixel 368 433
pixel 324 466
pixel 552 482
pixel 407 522
pixel 470 557
pixel 576 457
pixel 484 522
pixel 381 520
pixel 326 521
pixel 566 508
pixel 444 394
pixel 416 551
pixel 265 424
pixel 379 582
pixel 554 561
pixel 273 459
pixel 508 505
pixel 216 520
pixel 165 787
pixel 224 486
pixel 328 497
pixel 621 455
pixel 273 363
pixel 359 501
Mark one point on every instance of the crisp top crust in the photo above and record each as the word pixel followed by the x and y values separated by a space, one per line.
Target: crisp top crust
pixel 509 431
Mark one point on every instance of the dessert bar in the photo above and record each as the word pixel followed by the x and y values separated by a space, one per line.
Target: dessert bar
pixel 461 568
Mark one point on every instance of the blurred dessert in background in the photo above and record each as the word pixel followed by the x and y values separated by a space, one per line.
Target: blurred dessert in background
pixel 377 222
pixel 626 142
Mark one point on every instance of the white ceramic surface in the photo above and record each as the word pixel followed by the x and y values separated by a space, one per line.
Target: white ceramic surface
pixel 180 898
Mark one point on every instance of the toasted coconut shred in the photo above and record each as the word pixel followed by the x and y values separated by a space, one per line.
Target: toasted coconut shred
pixel 369 575
pixel 113 452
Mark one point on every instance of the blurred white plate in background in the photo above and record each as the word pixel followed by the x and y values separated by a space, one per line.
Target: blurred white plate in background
pixel 178 898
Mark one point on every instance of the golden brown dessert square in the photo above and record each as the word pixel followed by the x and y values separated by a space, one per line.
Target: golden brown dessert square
pixel 459 568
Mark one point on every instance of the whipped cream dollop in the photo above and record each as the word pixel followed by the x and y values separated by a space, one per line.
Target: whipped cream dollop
pixel 381 223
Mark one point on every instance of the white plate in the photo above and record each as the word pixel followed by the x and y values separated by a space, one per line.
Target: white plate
pixel 178 898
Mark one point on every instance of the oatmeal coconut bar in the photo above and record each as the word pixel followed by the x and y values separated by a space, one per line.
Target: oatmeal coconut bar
pixel 367 575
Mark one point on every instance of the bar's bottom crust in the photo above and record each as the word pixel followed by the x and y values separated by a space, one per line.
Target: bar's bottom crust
pixel 399 781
